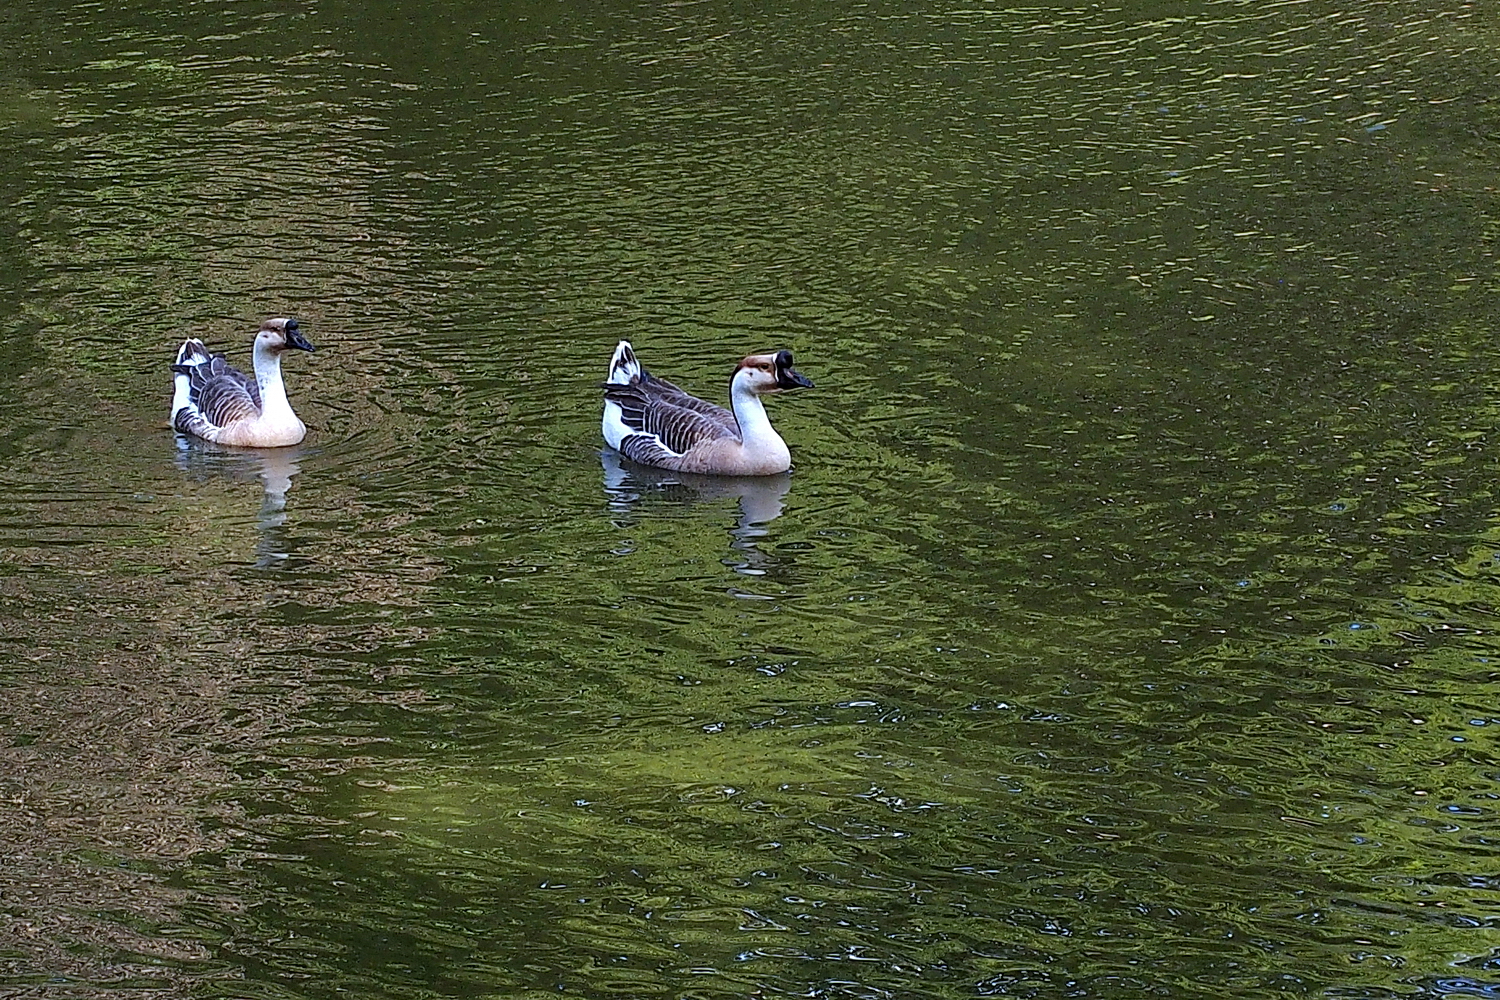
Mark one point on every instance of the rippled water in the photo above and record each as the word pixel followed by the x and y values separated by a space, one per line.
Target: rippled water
pixel 1123 630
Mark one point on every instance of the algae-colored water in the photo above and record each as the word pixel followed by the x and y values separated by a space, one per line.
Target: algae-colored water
pixel 1125 628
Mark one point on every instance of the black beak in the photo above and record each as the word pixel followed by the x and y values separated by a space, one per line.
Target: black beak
pixel 295 339
pixel 788 377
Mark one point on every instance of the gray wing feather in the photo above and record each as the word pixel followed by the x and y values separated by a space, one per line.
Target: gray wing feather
pixel 221 394
pixel 667 392
pixel 658 410
pixel 646 449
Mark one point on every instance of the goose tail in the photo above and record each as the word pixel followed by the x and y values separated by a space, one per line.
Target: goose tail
pixel 623 367
pixel 191 354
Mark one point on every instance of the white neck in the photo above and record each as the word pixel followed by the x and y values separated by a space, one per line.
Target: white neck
pixel 756 431
pixel 273 401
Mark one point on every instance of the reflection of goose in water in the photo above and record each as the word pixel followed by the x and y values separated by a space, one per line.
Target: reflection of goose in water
pixel 760 497
pixel 275 467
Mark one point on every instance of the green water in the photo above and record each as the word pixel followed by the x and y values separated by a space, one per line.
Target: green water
pixel 1123 630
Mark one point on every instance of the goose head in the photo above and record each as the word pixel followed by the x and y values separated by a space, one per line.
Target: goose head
pixel 278 335
pixel 767 373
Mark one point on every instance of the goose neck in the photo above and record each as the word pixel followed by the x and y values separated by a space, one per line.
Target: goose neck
pixel 268 378
pixel 750 413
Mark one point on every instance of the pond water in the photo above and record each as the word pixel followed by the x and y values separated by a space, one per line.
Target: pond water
pixel 1124 629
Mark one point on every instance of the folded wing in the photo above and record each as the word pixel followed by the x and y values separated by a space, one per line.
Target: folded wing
pixel 218 394
pixel 664 421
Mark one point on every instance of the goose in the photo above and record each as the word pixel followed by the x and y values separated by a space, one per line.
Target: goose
pixel 211 400
pixel 651 421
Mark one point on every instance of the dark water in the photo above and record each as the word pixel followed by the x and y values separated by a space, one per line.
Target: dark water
pixel 1124 630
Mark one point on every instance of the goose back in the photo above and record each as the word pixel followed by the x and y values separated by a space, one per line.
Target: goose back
pixel 219 394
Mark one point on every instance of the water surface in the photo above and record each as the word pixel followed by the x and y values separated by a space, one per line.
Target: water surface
pixel 1123 630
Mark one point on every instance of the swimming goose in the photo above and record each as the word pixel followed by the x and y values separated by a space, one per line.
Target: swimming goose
pixel 214 401
pixel 651 421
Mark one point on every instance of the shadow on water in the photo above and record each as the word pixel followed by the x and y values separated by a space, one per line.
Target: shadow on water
pixel 761 501
pixel 274 467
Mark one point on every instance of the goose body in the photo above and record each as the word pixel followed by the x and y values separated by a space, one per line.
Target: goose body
pixel 651 421
pixel 214 401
